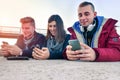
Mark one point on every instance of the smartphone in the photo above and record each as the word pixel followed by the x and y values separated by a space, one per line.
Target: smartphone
pixel 17 58
pixel 4 42
pixel 37 46
pixel 75 44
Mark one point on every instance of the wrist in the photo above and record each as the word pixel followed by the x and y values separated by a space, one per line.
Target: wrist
pixel 97 54
pixel 20 53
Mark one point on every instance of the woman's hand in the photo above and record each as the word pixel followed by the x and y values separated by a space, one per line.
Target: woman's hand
pixel 41 53
pixel 87 53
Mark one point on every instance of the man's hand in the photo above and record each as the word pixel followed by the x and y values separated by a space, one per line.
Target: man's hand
pixel 4 52
pixel 14 49
pixel 85 54
pixel 72 55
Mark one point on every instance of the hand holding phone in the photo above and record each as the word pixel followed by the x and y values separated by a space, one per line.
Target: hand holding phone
pixel 75 44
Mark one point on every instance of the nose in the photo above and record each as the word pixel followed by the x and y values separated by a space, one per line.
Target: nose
pixel 52 28
pixel 83 19
pixel 23 30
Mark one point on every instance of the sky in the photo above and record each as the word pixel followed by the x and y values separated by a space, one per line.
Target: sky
pixel 12 10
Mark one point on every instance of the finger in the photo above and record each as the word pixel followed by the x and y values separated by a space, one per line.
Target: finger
pixel 35 56
pixel 83 55
pixel 82 51
pixel 8 46
pixel 85 59
pixel 3 45
pixel 72 52
pixel 37 51
pixel 84 46
pixel 73 56
pixel 3 53
pixel 44 49
pixel 10 50
pixel 69 47
pixel 73 59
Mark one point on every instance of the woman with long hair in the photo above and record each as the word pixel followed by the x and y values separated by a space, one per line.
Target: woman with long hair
pixel 57 40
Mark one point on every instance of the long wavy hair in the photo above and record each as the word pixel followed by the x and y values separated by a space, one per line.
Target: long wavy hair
pixel 60 31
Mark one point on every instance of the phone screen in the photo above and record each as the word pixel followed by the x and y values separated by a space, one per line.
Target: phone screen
pixel 75 44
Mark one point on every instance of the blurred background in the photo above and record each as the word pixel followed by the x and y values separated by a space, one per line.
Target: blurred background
pixel 12 10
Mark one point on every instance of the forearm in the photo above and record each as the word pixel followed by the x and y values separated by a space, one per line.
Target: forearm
pixel 27 53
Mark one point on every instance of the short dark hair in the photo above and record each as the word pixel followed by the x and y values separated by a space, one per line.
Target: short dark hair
pixel 60 31
pixel 27 20
pixel 85 3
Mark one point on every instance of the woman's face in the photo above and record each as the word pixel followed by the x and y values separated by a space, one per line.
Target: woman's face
pixel 52 28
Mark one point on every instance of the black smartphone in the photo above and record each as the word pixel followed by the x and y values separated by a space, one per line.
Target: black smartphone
pixel 37 46
pixel 17 58
pixel 4 42
pixel 75 44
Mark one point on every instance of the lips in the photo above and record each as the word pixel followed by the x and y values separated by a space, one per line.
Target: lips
pixel 53 32
pixel 84 22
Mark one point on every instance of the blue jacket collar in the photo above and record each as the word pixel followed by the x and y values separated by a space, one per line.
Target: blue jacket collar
pixel 76 25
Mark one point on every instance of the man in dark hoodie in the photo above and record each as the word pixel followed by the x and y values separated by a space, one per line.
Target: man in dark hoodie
pixel 26 41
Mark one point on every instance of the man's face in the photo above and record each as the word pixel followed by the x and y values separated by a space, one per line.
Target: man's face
pixel 28 30
pixel 86 15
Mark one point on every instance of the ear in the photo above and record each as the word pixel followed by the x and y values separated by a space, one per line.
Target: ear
pixel 95 14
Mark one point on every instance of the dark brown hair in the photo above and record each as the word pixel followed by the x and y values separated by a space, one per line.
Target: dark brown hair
pixel 60 31
pixel 85 3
